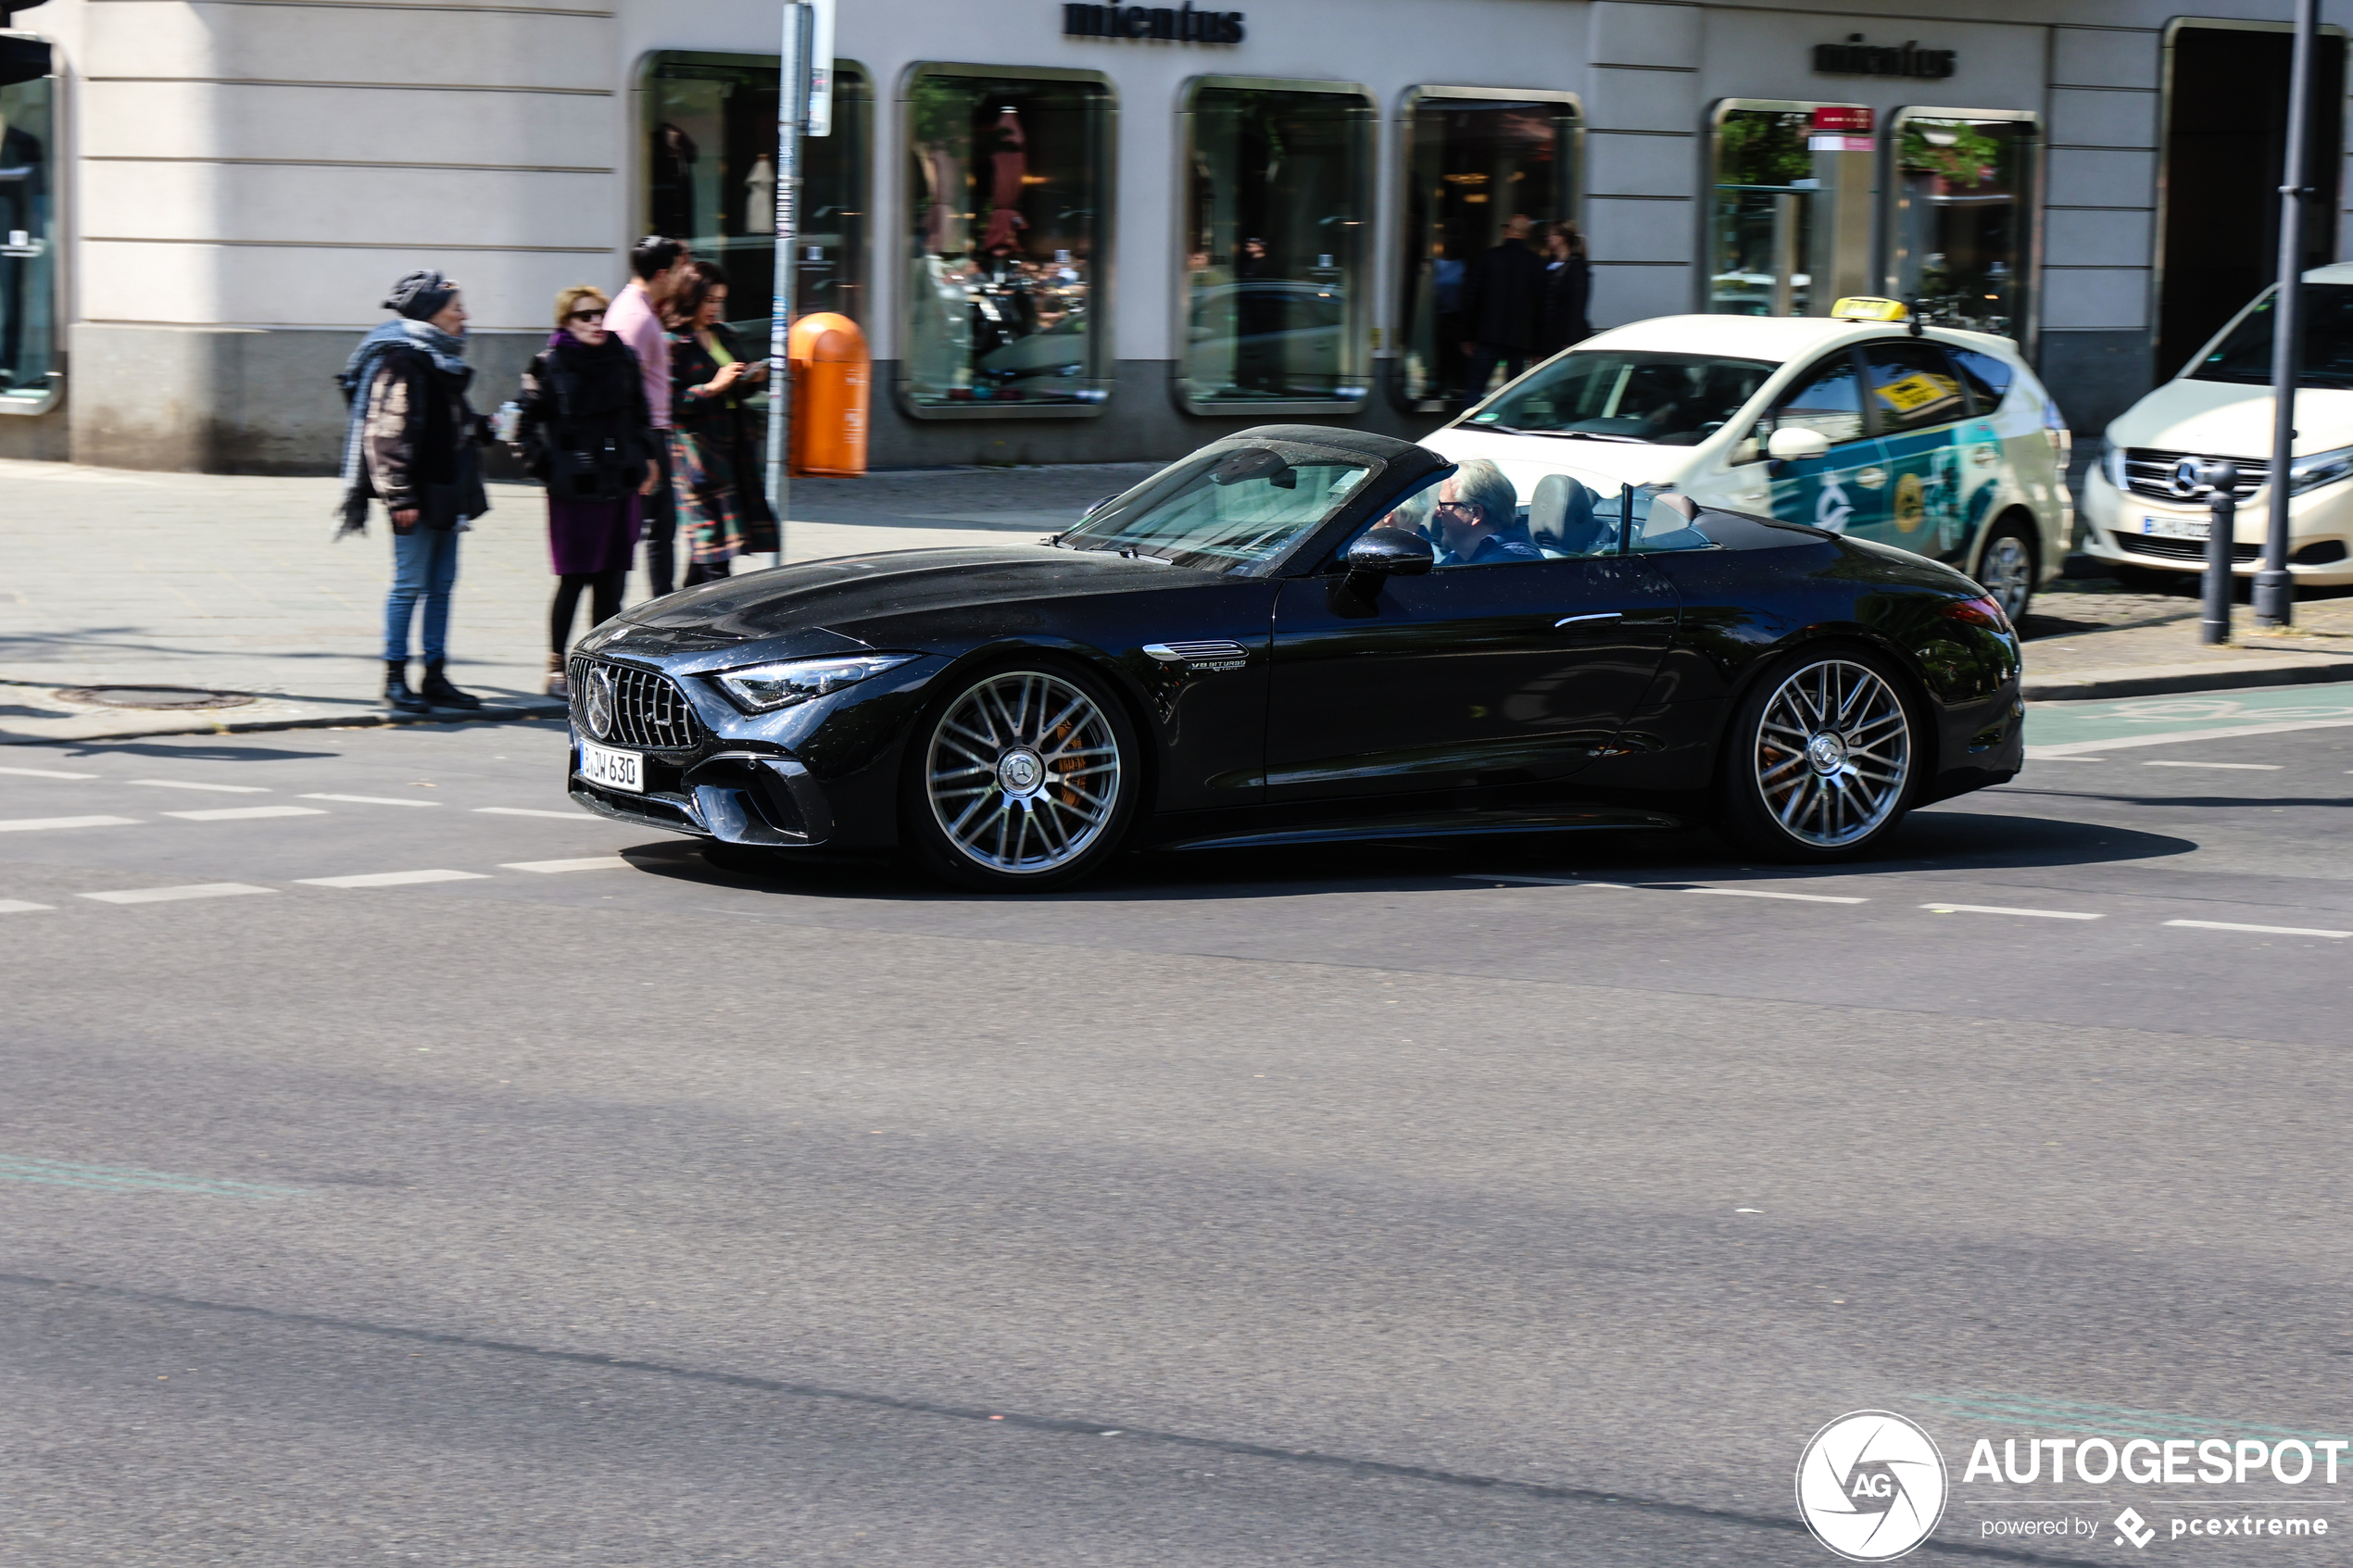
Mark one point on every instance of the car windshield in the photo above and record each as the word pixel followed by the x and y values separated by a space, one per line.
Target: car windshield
pixel 2245 353
pixel 1226 508
pixel 1626 395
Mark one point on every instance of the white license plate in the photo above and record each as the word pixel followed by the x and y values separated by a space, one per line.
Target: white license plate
pixel 608 768
pixel 2175 527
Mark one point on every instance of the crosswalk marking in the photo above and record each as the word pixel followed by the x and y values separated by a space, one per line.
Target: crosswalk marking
pixel 173 895
pixel 216 788
pixel 2261 930
pixel 527 812
pixel 44 774
pixel 241 813
pixel 2005 910
pixel 19 907
pixel 591 863
pixel 391 879
pixel 1770 892
pixel 33 825
pixel 372 800
pixel 2236 767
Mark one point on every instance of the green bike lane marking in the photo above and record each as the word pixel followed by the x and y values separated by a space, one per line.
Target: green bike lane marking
pixel 2080 728
pixel 122 1178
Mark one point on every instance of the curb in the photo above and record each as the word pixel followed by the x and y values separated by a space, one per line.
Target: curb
pixel 360 720
pixel 2162 680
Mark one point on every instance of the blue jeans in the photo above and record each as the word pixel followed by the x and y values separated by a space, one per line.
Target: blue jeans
pixel 424 565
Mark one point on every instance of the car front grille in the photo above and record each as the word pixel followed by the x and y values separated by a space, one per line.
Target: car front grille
pixel 2150 471
pixel 648 710
pixel 2177 549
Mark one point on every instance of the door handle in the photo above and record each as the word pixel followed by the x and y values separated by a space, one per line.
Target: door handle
pixel 1598 615
pixel 1871 479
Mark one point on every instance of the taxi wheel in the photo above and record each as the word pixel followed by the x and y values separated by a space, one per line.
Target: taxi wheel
pixel 1823 756
pixel 2007 568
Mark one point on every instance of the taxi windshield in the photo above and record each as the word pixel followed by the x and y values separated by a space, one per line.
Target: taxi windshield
pixel 1626 395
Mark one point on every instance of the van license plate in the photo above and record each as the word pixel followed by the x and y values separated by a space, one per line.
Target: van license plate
pixel 608 768
pixel 2175 527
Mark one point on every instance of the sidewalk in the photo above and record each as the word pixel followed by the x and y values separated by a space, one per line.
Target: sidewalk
pixel 2089 639
pixel 237 585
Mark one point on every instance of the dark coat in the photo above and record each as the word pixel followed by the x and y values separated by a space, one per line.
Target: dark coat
pixel 1561 320
pixel 584 430
pixel 1501 297
pixel 719 420
pixel 422 441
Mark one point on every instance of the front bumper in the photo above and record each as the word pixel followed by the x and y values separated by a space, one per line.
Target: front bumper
pixel 2320 531
pixel 734 796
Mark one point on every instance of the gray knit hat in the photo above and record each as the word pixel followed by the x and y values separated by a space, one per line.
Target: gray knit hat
pixel 421 296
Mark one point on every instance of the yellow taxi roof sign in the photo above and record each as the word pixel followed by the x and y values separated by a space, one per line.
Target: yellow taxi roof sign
pixel 1865 307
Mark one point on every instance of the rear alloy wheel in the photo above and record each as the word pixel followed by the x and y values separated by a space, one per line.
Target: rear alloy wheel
pixel 1025 780
pixel 1820 761
pixel 2006 569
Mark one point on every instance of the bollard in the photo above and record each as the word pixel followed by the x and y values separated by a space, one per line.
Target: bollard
pixel 2222 534
pixel 830 371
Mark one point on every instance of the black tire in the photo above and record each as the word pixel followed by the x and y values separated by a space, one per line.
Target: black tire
pixel 1785 794
pixel 1022 778
pixel 2010 565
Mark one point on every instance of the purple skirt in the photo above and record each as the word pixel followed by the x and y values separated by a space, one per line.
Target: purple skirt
pixel 591 535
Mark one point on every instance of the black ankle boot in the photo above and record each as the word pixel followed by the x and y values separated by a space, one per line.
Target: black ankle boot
pixel 441 694
pixel 397 697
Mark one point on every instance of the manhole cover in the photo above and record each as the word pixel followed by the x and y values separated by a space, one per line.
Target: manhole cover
pixel 152 696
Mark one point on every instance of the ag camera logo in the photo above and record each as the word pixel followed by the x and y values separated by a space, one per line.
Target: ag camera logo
pixel 1871 1485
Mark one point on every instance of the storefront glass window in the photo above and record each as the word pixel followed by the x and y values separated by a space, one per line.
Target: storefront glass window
pixel 1277 198
pixel 710 126
pixel 29 381
pixel 1008 192
pixel 1472 163
pixel 1957 219
pixel 1790 219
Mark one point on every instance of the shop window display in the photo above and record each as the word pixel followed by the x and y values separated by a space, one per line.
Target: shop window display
pixel 1277 259
pixel 29 381
pixel 1790 217
pixel 1959 218
pixel 1008 183
pixel 1474 158
pixel 710 161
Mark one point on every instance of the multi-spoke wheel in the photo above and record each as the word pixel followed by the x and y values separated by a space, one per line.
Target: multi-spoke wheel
pixel 1820 761
pixel 1024 779
pixel 2007 569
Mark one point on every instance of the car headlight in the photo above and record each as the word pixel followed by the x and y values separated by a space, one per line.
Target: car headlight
pixel 2113 461
pixel 764 688
pixel 2321 468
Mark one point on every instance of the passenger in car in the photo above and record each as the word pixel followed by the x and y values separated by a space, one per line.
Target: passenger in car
pixel 1479 520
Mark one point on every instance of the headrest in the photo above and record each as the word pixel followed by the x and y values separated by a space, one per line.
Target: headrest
pixel 1560 516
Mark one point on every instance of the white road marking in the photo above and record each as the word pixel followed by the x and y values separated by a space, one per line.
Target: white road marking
pixel 2261 930
pixel 2004 910
pixel 19 907
pixel 2242 767
pixel 218 789
pixel 44 774
pixel 391 879
pixel 2114 743
pixel 527 812
pixel 372 800
pixel 240 813
pixel 173 895
pixel 1670 887
pixel 593 863
pixel 1545 881
pixel 1765 893
pixel 30 824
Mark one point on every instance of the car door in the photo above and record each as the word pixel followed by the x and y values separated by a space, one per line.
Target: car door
pixel 1843 490
pixel 1488 674
pixel 1922 415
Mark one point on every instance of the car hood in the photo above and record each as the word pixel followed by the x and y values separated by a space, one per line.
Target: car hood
pixel 1599 465
pixel 822 606
pixel 2230 419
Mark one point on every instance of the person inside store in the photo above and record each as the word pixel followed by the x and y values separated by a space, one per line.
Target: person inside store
pixel 1502 294
pixel 415 442
pixel 1479 518
pixel 1562 316
pixel 714 462
pixel 635 318
pixel 584 430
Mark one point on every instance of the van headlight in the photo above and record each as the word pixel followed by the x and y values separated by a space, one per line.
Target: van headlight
pixel 764 688
pixel 2321 468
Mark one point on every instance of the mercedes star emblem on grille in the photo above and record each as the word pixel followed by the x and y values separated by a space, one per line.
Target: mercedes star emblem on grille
pixel 599 702
pixel 2185 477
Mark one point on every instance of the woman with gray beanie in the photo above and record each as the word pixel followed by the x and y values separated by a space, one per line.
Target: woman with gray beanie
pixel 413 442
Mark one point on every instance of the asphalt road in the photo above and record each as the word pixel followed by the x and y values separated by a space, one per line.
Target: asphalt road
pixel 585 1204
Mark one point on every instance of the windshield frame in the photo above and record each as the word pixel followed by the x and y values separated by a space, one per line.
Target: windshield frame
pixel 1770 370
pixel 1378 472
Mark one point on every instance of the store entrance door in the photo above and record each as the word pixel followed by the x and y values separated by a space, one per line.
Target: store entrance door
pixel 2225 145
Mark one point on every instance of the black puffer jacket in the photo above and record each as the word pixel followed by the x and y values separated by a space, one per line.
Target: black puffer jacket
pixel 584 431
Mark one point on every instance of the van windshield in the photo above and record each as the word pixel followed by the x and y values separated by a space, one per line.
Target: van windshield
pixel 2245 353
pixel 1626 395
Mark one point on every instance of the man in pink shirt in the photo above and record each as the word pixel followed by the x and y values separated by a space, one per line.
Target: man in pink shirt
pixel 635 319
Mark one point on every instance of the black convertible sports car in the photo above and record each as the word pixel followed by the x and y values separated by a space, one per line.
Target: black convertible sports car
pixel 1299 634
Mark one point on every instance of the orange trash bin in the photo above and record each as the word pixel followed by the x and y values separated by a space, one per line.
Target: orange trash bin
pixel 831 373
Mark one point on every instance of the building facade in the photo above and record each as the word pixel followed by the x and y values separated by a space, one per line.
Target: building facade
pixel 1074 232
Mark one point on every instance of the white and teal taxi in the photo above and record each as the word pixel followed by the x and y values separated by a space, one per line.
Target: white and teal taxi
pixel 1939 442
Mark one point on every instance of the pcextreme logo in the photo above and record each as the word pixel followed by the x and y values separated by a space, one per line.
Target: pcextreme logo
pixel 1870 1486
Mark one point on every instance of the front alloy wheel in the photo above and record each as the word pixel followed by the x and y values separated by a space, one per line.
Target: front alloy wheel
pixel 1024 780
pixel 1822 762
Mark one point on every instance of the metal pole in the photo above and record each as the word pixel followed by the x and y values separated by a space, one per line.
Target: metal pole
pixel 792 114
pixel 2274 590
pixel 2214 618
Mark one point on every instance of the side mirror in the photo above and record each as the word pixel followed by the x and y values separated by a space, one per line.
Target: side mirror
pixel 1792 443
pixel 1385 552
